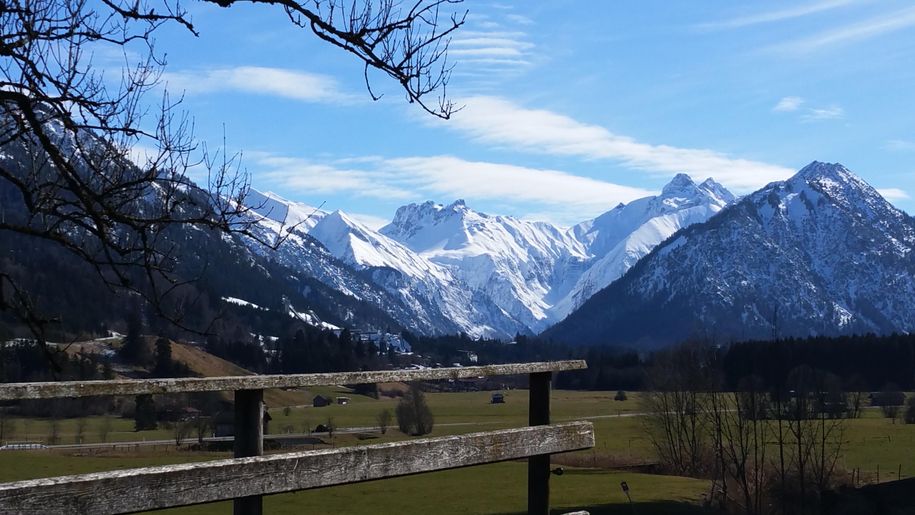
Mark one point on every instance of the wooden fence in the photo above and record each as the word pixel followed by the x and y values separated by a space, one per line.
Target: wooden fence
pixel 250 475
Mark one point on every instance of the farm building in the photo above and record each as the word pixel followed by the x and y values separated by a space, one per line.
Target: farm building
pixel 320 401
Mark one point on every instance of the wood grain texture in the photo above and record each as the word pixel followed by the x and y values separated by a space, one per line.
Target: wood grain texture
pixel 249 441
pixel 52 390
pixel 538 467
pixel 126 491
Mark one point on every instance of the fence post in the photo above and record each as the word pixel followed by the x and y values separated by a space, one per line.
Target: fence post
pixel 249 441
pixel 538 467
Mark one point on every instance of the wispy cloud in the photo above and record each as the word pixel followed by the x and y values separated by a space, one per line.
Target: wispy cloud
pixel 788 104
pixel 455 177
pixel 492 47
pixel 293 84
pixel 892 194
pixel 502 123
pixel 491 51
pixel 859 31
pixel 519 19
pixel 899 145
pixel 304 176
pixel 441 176
pixel 833 112
pixel 512 40
pixel 809 114
pixel 372 221
pixel 796 11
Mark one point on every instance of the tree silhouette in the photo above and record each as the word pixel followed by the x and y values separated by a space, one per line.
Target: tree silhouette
pixel 67 131
pixel 413 414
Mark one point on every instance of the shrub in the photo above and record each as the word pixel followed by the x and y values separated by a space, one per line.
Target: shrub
pixel 909 415
pixel 413 414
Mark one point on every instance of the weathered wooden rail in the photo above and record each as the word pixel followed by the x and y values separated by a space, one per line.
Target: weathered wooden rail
pixel 250 475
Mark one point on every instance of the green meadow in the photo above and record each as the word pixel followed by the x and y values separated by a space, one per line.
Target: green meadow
pixel 591 480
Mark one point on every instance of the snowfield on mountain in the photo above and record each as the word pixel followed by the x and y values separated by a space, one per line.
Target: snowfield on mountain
pixel 819 254
pixel 456 269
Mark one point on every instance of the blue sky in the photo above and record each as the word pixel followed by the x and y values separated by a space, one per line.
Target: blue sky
pixel 570 107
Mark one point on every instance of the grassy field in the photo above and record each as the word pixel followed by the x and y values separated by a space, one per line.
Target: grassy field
pixel 454 413
pixel 875 443
pixel 497 488
pixel 872 442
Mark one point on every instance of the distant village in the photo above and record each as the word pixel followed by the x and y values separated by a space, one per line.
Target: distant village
pixel 380 339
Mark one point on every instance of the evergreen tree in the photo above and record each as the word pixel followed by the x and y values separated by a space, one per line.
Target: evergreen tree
pixel 164 366
pixel 413 414
pixel 144 417
pixel 134 349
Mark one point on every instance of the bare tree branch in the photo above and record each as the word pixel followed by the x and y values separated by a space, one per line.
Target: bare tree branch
pixel 68 130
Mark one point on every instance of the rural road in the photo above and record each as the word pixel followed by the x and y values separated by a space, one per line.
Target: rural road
pixel 285 436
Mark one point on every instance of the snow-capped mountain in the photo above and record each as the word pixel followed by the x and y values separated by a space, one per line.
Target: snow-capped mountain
pixel 206 265
pixel 820 253
pixel 619 238
pixel 431 290
pixel 519 264
pixel 538 272
pixel 303 253
pixel 282 215
pixel 350 257
pixel 457 269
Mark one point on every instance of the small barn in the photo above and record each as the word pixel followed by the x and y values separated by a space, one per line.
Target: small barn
pixel 320 401
pixel 497 398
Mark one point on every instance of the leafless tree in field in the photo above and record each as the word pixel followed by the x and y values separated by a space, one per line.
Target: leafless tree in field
pixel 7 426
pixel 768 448
pixel 740 425
pixel 104 428
pixel 677 407
pixel 181 429
pixel 80 430
pixel 384 420
pixel 203 427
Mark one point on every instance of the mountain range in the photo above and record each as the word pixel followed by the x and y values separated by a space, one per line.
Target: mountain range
pixel 458 269
pixel 821 253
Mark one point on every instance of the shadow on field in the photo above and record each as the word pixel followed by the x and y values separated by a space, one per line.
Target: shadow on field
pixel 639 508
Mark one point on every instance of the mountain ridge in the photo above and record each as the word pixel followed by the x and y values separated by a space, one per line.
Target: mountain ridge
pixel 522 275
pixel 819 253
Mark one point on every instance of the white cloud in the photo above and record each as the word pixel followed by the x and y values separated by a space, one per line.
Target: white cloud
pixel 448 177
pixel 490 49
pixel 892 194
pixel 142 154
pixel 899 145
pixel 302 176
pixel 296 85
pixel 833 112
pixel 519 19
pixel 867 29
pixel 788 104
pixel 796 11
pixel 492 40
pixel 454 177
pixel 499 122
pixel 371 221
pixel 812 114
pixel 485 52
